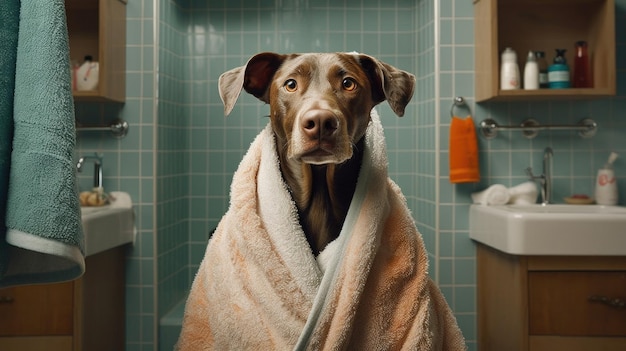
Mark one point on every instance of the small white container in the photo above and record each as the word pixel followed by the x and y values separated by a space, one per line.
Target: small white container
pixel 606 184
pixel 606 187
pixel 509 70
pixel 87 75
pixel 531 72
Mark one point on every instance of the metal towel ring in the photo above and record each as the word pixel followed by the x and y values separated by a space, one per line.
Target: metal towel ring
pixel 459 102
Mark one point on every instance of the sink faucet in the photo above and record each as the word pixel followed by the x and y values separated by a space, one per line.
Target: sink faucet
pixel 97 162
pixel 544 179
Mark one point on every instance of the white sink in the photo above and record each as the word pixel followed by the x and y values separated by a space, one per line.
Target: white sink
pixel 589 230
pixel 108 226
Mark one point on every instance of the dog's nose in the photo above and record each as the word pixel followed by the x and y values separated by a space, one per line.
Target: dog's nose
pixel 319 123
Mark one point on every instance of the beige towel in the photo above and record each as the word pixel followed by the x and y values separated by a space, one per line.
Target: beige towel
pixel 259 286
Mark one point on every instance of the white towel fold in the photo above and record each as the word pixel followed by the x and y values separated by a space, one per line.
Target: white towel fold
pixel 523 194
pixel 496 194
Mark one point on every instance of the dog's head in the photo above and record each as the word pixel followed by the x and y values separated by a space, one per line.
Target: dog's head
pixel 320 104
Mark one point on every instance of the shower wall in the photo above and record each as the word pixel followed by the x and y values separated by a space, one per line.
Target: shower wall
pixel 221 37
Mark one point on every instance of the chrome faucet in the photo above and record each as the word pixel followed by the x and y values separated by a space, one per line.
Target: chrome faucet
pixel 97 174
pixel 544 179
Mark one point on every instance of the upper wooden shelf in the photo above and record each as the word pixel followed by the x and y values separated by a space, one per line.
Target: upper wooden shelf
pixel 545 25
pixel 98 28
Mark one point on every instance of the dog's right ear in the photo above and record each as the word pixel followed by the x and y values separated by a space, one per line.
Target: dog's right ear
pixel 255 77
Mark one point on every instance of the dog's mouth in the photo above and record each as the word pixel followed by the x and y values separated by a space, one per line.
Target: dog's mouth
pixel 318 157
pixel 323 153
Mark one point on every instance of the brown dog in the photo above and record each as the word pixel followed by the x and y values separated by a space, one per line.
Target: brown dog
pixel 320 107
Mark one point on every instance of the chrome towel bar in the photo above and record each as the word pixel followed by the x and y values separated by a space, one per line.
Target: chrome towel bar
pixel 586 128
pixel 119 128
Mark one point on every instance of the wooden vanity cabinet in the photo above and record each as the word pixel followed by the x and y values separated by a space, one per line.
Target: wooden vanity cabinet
pixel 543 25
pixel 541 303
pixel 87 314
pixel 98 28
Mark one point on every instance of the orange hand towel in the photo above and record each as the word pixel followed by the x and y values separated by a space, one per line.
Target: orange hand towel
pixel 463 151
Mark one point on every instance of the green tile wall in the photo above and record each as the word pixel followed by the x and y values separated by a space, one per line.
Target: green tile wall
pixel 178 159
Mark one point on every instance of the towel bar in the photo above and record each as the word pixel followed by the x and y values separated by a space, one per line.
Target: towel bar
pixel 586 128
pixel 119 128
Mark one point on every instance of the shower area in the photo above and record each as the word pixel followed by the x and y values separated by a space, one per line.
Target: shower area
pixel 189 150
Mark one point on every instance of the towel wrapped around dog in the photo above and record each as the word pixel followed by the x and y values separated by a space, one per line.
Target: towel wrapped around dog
pixel 260 287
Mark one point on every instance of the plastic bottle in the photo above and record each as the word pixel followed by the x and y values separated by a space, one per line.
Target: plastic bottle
pixel 558 72
pixel 543 69
pixel 509 70
pixel 87 75
pixel 606 184
pixel 582 71
pixel 531 72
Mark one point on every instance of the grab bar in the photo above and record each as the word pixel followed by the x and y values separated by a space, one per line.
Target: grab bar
pixel 119 128
pixel 586 128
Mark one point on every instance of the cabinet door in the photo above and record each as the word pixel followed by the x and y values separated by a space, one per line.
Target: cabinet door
pixel 37 310
pixel 569 303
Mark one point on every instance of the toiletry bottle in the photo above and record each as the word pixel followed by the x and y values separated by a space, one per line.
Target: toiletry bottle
pixel 531 72
pixel 509 70
pixel 606 184
pixel 87 75
pixel 558 72
pixel 543 69
pixel 582 71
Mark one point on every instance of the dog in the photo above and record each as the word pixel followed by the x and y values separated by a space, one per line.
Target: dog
pixel 320 105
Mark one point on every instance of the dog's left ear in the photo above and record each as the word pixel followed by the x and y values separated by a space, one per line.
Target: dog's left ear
pixel 388 83
pixel 255 77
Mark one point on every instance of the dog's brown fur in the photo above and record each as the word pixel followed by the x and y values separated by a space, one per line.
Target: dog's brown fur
pixel 320 107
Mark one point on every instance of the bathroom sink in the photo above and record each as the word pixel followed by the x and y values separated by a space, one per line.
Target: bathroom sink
pixel 589 230
pixel 108 226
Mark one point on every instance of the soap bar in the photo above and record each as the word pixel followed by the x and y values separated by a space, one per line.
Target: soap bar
pixel 92 198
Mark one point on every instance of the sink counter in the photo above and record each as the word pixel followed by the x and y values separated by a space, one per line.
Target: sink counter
pixel 579 230
pixel 108 226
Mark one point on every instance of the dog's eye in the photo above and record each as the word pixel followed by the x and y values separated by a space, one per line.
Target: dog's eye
pixel 291 85
pixel 348 84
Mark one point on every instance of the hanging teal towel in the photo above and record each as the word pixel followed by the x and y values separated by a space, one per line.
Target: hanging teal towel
pixel 41 239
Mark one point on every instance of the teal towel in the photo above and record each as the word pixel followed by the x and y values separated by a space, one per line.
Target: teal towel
pixel 9 21
pixel 44 239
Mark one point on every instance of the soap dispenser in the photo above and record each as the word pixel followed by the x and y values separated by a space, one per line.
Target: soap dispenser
pixel 606 184
pixel 558 72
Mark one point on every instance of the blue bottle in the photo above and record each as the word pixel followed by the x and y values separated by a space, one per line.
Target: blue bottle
pixel 558 72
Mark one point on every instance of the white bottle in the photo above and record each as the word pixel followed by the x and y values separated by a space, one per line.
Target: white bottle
pixel 531 72
pixel 606 184
pixel 87 75
pixel 509 70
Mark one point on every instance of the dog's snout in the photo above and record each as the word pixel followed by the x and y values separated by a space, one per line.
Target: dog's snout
pixel 317 124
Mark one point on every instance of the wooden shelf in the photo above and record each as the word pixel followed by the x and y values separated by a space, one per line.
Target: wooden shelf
pixel 98 28
pixel 535 25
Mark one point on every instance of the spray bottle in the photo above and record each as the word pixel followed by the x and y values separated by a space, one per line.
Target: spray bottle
pixel 606 184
